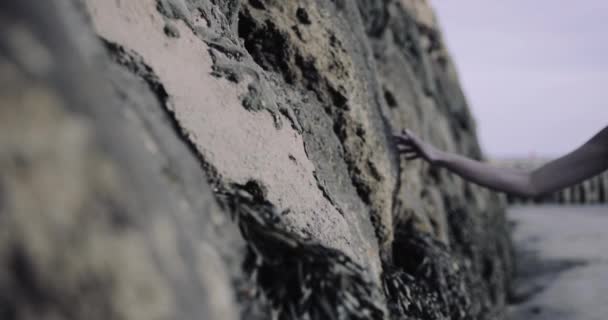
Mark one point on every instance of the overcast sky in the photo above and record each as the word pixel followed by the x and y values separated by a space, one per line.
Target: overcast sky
pixel 535 71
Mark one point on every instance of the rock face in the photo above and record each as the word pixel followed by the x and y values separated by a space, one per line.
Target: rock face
pixel 201 159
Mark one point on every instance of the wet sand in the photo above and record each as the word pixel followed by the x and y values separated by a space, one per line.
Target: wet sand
pixel 562 262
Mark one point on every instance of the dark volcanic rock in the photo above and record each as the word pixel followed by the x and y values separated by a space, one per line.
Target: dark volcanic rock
pixel 124 123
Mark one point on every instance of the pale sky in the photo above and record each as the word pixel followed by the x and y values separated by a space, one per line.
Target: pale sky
pixel 535 71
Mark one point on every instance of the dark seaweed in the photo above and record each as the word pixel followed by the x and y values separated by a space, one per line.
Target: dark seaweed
pixel 299 278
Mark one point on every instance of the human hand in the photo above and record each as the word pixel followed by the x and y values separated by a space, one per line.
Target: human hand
pixel 412 147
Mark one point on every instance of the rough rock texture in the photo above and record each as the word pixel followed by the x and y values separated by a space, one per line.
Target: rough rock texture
pixel 204 159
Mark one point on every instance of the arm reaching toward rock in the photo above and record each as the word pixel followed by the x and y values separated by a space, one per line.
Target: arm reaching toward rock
pixel 585 162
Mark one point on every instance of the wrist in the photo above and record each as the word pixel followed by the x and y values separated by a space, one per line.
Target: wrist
pixel 438 158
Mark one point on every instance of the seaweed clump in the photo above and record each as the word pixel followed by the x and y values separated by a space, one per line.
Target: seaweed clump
pixel 298 278
pixel 426 281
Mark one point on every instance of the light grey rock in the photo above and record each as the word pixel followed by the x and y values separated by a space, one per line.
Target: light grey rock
pixel 119 139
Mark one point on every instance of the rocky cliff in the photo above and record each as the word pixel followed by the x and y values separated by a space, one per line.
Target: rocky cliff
pixel 204 159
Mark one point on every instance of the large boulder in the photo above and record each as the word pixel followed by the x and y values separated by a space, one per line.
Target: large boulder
pixel 201 159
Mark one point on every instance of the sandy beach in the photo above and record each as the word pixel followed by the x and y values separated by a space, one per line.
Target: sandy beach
pixel 562 262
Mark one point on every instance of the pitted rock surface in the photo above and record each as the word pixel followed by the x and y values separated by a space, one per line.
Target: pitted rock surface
pixel 172 157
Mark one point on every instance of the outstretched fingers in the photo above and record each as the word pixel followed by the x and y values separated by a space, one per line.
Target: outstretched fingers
pixel 409 153
pixel 403 140
pixel 406 145
pixel 405 148
pixel 412 156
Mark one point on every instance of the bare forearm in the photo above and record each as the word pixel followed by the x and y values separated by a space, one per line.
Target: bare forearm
pixel 496 178
pixel 583 163
pixel 566 171
pixel 586 161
